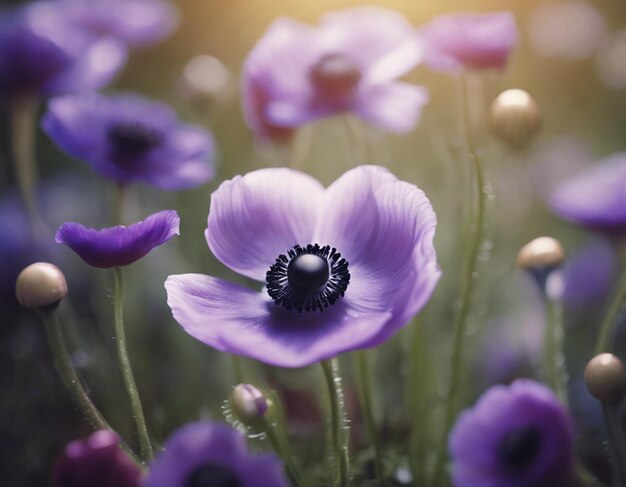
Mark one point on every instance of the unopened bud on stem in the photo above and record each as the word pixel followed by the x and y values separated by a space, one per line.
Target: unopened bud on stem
pixel 605 377
pixel 41 286
pixel 515 117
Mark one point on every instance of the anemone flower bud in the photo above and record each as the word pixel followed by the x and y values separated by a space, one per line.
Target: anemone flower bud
pixel 249 404
pixel 40 285
pixel 96 461
pixel 541 253
pixel 515 117
pixel 605 377
pixel 205 82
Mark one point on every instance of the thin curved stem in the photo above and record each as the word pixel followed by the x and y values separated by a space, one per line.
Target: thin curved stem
pixel 277 435
pixel 617 302
pixel 460 327
pixel 616 443
pixel 127 373
pixel 419 392
pixel 69 376
pixel 554 359
pixel 365 393
pixel 339 436
pixel 22 128
pixel 65 368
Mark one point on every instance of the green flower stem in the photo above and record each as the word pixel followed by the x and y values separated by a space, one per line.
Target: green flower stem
pixel 365 393
pixel 68 374
pixel 65 368
pixel 617 303
pixel 127 373
pixel 554 359
pixel 339 433
pixel 616 443
pixel 22 132
pixel 276 433
pixel 419 392
pixel 460 327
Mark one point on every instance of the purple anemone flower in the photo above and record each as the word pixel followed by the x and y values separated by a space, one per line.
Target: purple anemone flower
pixel 595 198
pixel 515 436
pixel 46 57
pixel 120 245
pixel 298 73
pixel 469 41
pixel 134 22
pixel 96 461
pixel 207 454
pixel 344 268
pixel 127 138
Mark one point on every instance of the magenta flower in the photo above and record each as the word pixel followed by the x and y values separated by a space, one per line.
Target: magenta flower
pixel 298 73
pixel 120 245
pixel 133 22
pixel 344 268
pixel 212 454
pixel 469 41
pixel 47 57
pixel 97 461
pixel 595 198
pixel 515 436
pixel 128 138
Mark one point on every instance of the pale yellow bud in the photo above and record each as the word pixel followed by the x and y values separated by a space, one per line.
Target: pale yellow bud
pixel 40 285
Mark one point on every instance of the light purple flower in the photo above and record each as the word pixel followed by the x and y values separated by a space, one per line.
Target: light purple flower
pixel 298 73
pixel 46 57
pixel 595 198
pixel 469 41
pixel 205 453
pixel 515 436
pixel 96 461
pixel 344 267
pixel 128 138
pixel 134 22
pixel 120 245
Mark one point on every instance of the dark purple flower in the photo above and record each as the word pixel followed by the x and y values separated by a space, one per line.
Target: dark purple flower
pixel 205 453
pixel 344 267
pixel 48 56
pixel 134 22
pixel 595 198
pixel 96 461
pixel 515 436
pixel 120 245
pixel 298 73
pixel 469 41
pixel 128 138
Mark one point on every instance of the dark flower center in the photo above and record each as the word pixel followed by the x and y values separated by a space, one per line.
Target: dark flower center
pixel 213 475
pixel 308 278
pixel 519 448
pixel 336 76
pixel 132 138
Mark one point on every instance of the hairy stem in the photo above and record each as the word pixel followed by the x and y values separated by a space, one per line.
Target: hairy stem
pixel 127 372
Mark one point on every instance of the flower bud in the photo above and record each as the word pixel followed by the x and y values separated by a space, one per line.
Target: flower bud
pixel 515 117
pixel 205 82
pixel 541 253
pixel 249 405
pixel 40 285
pixel 605 377
pixel 96 461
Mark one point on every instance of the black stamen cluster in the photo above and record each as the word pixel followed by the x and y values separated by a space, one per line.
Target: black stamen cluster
pixel 284 293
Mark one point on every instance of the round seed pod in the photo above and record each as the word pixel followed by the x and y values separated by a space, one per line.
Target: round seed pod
pixel 605 377
pixel 40 286
pixel 515 118
pixel 541 253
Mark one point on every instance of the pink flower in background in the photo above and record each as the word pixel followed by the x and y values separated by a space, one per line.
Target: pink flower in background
pixel 298 73
pixel 469 41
